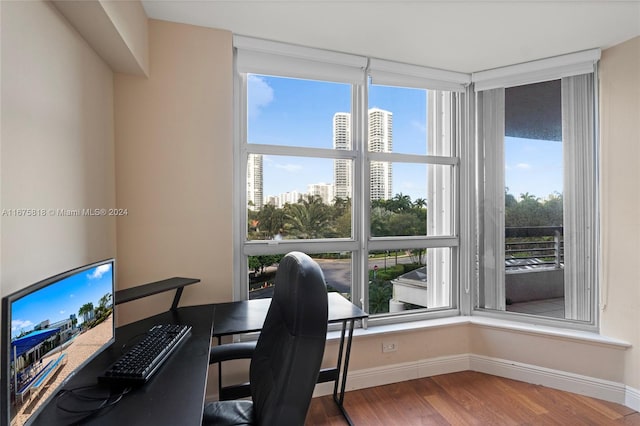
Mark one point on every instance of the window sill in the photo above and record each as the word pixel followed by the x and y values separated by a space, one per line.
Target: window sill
pixel 484 322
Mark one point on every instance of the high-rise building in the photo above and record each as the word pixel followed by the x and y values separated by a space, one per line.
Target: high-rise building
pixel 342 168
pixel 380 140
pixel 290 197
pixel 323 190
pixel 254 182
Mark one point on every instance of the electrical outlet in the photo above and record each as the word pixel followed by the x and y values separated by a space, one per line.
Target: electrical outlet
pixel 389 346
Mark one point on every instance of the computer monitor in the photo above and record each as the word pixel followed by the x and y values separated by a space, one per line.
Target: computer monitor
pixel 49 331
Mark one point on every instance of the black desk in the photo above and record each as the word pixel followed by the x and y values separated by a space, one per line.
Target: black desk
pixel 248 316
pixel 173 396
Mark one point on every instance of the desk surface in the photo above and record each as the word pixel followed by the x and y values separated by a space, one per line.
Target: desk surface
pixel 248 315
pixel 173 396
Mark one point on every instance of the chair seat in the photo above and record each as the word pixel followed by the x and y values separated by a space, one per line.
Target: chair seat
pixel 224 413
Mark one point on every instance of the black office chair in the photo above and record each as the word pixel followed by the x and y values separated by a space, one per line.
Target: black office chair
pixel 286 360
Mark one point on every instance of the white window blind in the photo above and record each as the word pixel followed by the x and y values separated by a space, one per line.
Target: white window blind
pixel 536 71
pixel 272 58
pixel 390 73
pixel 579 196
pixel 491 109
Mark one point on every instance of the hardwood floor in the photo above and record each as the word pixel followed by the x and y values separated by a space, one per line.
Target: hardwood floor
pixel 468 398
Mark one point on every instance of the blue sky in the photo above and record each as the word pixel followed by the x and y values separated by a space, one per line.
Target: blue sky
pixel 533 166
pixel 294 112
pixel 58 301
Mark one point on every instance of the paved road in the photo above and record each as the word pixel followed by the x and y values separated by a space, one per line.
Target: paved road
pixel 337 273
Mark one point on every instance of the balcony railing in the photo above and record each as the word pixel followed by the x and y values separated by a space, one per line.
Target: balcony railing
pixel 534 247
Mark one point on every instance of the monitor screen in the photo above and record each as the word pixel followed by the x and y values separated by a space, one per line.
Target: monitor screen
pixel 49 330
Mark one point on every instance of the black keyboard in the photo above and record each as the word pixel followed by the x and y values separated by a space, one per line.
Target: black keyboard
pixel 142 360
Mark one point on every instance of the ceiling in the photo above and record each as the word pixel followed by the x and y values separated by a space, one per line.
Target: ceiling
pixel 463 36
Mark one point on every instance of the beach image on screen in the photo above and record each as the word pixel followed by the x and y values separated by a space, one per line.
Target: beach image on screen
pixel 53 331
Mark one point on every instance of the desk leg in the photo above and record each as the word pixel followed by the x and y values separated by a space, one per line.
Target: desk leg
pixel 343 368
pixel 219 373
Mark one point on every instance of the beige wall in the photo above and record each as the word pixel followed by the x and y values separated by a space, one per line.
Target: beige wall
pixel 56 146
pixel 174 167
pixel 620 198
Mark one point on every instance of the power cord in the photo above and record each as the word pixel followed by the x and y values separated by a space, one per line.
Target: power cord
pixel 87 393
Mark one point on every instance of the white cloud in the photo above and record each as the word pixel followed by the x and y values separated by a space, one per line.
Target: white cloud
pixel 99 272
pixel 523 166
pixel 291 168
pixel 62 312
pixel 260 94
pixel 17 325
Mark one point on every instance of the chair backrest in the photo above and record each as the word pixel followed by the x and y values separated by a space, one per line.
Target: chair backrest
pixel 286 362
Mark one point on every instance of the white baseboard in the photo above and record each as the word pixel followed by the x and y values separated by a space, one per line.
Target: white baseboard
pixel 632 398
pixel 584 385
pixel 557 379
pixel 395 373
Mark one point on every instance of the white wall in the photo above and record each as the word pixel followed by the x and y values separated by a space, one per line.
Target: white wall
pixel 56 146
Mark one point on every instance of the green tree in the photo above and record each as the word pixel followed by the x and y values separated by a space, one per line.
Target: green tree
pixel 271 219
pixel 407 224
pixel 342 217
pixel 399 203
pixel 420 203
pixel 380 292
pixel 380 219
pixel 85 311
pixel 105 301
pixel 532 211
pixel 258 263
pixel 309 218
pixel 553 208
pixel 509 200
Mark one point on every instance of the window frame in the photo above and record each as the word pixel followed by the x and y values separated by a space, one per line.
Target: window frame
pixel 558 68
pixel 284 60
pixel 278 56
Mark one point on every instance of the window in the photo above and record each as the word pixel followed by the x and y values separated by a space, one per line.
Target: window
pixel 537 202
pixel 411 197
pixel 356 166
pixel 416 202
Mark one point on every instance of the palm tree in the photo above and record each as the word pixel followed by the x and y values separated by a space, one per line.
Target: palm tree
pixel 105 300
pixel 85 311
pixel 399 203
pixel 271 219
pixel 309 218
pixel 528 197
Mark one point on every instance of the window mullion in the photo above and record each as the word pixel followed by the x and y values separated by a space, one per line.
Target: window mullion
pixel 240 262
pixel 300 151
pixel 412 158
pixel 360 202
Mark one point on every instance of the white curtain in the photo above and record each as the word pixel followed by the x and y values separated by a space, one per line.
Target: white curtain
pixel 580 195
pixel 491 130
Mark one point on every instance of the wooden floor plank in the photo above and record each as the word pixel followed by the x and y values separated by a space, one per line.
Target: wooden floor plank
pixel 468 398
